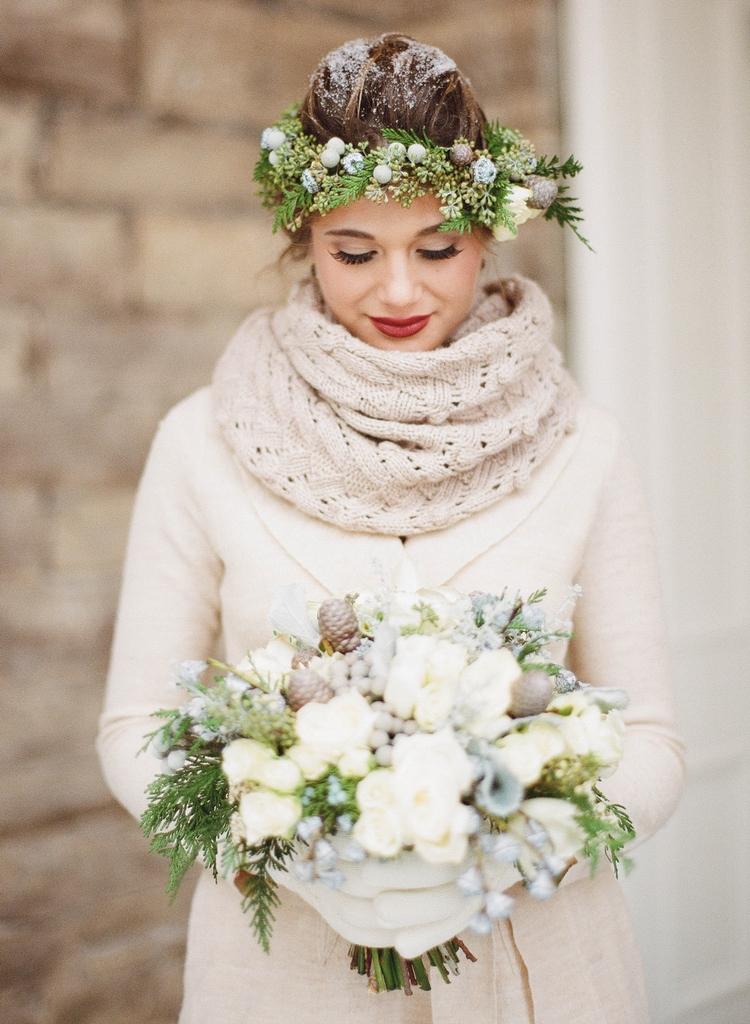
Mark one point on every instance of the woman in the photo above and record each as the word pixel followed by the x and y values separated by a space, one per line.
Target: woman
pixel 392 407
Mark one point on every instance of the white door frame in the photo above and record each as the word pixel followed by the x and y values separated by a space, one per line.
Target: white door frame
pixel 656 105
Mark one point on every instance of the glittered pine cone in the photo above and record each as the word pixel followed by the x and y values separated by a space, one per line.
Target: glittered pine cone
pixel 531 693
pixel 461 154
pixel 303 657
pixel 543 191
pixel 305 685
pixel 338 625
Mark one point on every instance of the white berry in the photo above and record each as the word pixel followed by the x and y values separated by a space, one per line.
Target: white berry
pixel 378 738
pixel 275 138
pixel 397 151
pixel 336 145
pixel 416 152
pixel 176 760
pixel 384 755
pixel 377 685
pixel 382 174
pixel 273 158
pixel 329 157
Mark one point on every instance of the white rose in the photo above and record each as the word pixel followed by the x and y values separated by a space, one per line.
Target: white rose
pixel 376 790
pixel 267 814
pixel 548 739
pixel 356 762
pixel 485 692
pixel 430 772
pixel 445 662
pixel 520 211
pixel 378 829
pixel 270 663
pixel 603 734
pixel 442 747
pixel 435 698
pixel 241 759
pixel 401 611
pixel 310 761
pixel 575 700
pixel 407 672
pixel 521 755
pixel 449 605
pixel 343 722
pixel 452 846
pixel 433 705
pixel 558 818
pixel 280 773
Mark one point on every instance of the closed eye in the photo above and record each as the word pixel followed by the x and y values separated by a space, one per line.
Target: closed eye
pixel 365 257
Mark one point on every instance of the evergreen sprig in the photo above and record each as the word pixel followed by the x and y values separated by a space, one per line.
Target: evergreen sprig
pixel 565 211
pixel 260 894
pixel 188 814
pixel 602 834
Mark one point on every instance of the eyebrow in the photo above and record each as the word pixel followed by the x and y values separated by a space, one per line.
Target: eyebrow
pixel 354 233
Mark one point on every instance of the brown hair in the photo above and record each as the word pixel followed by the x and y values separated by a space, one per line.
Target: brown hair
pixel 389 81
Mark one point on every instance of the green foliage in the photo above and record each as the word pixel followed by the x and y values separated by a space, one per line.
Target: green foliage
pixel 609 831
pixel 187 815
pixel 260 894
pixel 465 202
pixel 315 800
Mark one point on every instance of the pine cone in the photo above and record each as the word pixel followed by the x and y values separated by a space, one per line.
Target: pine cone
pixel 303 657
pixel 461 154
pixel 338 625
pixel 305 685
pixel 543 191
pixel 531 694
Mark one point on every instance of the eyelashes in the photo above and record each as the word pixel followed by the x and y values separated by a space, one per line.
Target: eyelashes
pixel 365 257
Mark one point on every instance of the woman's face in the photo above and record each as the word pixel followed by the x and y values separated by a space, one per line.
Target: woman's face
pixel 383 260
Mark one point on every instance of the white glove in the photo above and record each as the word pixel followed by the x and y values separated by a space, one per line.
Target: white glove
pixel 405 902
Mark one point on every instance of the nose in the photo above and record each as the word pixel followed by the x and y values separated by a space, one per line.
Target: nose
pixel 400 288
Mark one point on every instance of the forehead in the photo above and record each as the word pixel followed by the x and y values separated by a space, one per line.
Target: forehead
pixel 381 219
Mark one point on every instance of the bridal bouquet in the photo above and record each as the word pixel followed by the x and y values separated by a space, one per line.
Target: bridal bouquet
pixel 391 723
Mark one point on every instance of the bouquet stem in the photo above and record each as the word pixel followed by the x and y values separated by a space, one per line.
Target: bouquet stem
pixel 387 970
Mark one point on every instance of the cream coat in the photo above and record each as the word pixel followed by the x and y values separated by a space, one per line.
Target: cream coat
pixel 207 546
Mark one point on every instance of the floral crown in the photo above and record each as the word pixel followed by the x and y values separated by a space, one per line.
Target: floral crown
pixel 500 186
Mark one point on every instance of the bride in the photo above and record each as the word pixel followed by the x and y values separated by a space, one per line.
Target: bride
pixel 393 407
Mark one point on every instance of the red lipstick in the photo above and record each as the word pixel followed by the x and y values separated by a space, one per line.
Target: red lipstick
pixel 400 328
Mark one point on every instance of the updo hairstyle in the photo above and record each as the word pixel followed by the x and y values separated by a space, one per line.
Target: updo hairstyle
pixel 389 81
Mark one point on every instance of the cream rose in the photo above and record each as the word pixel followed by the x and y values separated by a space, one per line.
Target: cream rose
pixel 407 672
pixel 521 755
pixel 379 831
pixel 343 722
pixel 485 692
pixel 558 818
pixel 280 773
pixel 376 790
pixel 310 761
pixel 267 814
pixel 435 698
pixel 520 211
pixel 430 773
pixel 241 759
pixel 452 846
pixel 356 762
pixel 269 663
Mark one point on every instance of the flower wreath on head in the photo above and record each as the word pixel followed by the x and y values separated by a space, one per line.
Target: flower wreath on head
pixel 500 186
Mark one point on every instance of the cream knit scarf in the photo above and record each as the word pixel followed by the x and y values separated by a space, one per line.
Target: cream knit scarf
pixel 395 442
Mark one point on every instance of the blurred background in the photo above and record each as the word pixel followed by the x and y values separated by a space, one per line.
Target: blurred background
pixel 132 245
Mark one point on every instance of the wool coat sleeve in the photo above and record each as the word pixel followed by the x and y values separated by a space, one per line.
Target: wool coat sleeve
pixel 620 639
pixel 168 607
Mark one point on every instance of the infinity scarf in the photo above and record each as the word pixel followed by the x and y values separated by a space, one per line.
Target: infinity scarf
pixel 392 442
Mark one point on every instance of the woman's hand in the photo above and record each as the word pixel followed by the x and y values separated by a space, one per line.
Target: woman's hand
pixel 406 902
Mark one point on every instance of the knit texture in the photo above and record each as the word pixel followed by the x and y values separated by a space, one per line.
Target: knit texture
pixel 395 442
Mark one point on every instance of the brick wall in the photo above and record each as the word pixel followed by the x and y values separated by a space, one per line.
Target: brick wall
pixel 131 244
